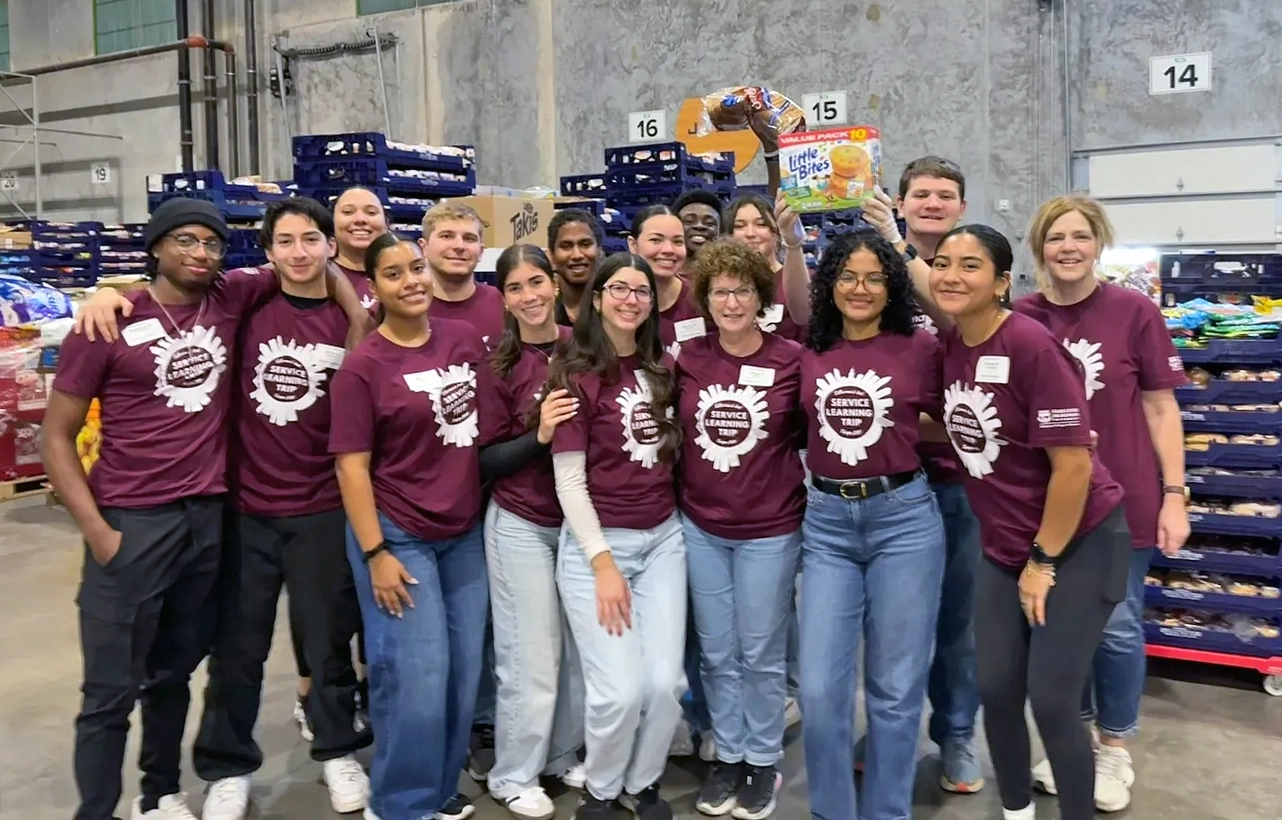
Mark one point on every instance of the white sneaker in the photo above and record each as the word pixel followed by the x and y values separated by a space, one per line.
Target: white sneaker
pixel 682 741
pixel 1029 812
pixel 169 807
pixel 1114 776
pixel 1044 778
pixel 575 777
pixel 532 804
pixel 707 747
pixel 228 799
pixel 369 815
pixel 348 784
pixel 300 717
pixel 791 713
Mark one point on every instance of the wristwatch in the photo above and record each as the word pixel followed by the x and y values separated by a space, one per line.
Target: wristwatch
pixel 1038 556
pixel 910 253
pixel 1176 489
pixel 368 555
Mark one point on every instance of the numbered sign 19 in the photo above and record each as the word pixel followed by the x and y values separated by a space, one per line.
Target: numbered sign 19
pixel 100 173
pixel 648 126
pixel 1179 73
pixel 825 108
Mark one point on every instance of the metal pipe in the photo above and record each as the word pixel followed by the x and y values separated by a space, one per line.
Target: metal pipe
pixel 194 41
pixel 1068 104
pixel 209 88
pixel 251 83
pixel 233 115
pixel 186 142
pixel 35 150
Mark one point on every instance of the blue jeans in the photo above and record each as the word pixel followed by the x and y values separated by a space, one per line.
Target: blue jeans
pixel 423 669
pixel 633 682
pixel 954 695
pixel 871 570
pixel 539 706
pixel 1117 676
pixel 694 704
pixel 741 593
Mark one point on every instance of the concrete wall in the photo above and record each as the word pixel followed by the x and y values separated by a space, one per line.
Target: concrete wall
pixel 541 86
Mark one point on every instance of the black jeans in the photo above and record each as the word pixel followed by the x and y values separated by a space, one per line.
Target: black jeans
pixel 1047 666
pixel 307 555
pixel 146 620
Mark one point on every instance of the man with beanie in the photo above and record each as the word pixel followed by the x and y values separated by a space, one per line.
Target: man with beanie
pixel 151 510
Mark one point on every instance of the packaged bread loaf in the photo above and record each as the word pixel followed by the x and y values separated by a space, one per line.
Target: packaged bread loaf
pixel 768 113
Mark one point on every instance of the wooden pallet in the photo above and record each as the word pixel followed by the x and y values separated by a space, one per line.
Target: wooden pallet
pixel 23 488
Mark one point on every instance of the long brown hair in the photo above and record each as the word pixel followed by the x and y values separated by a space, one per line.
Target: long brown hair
pixel 508 352
pixel 590 351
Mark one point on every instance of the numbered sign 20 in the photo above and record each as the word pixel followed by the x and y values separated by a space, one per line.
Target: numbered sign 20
pixel 648 126
pixel 825 108
pixel 1179 73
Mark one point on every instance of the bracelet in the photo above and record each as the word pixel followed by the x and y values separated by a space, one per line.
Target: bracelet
pixel 792 247
pixel 368 555
pixel 770 154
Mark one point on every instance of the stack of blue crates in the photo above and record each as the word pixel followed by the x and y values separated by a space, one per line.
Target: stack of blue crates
pixel 638 176
pixel 242 206
pixel 407 179
pixel 62 254
pixel 1220 593
pixel 121 250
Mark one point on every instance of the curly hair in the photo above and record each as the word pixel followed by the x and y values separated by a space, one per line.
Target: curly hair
pixel 590 351
pixel 826 320
pixel 730 257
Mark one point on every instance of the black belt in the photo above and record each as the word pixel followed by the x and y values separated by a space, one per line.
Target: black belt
pixel 857 489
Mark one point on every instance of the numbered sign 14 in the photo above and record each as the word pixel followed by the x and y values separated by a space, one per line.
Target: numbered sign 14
pixel 825 108
pixel 648 126
pixel 1179 73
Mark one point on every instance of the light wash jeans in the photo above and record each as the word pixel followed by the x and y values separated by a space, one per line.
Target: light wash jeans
pixel 954 694
pixel 539 695
pixel 871 571
pixel 423 669
pixel 633 682
pixel 1117 676
pixel 742 593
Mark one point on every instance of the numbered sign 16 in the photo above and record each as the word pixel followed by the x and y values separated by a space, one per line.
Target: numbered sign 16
pixel 1179 73
pixel 825 108
pixel 648 126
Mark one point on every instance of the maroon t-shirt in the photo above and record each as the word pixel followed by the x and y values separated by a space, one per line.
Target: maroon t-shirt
pixel 164 392
pixel 937 457
pixel 1120 339
pixel 1005 402
pixel 421 413
pixel 615 428
pixel 863 402
pixel 280 454
pixel 531 492
pixel 361 284
pixel 778 320
pixel 740 418
pixel 483 310
pixel 681 322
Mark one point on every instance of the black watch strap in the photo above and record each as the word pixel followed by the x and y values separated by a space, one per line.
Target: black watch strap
pixel 910 253
pixel 1038 556
pixel 368 555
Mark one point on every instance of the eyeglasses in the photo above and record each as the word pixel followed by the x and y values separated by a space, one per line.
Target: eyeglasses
pixel 741 294
pixel 214 248
pixel 621 292
pixel 873 282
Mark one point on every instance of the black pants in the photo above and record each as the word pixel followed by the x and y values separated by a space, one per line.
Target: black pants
pixel 146 618
pixel 296 628
pixel 1047 665
pixel 306 554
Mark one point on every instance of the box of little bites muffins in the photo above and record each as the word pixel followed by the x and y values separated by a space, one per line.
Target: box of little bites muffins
pixel 836 169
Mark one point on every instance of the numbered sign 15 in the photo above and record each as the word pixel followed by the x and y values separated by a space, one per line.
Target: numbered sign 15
pixel 825 108
pixel 1179 73
pixel 648 126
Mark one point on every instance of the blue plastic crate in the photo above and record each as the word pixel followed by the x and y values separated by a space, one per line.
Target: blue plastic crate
pixel 58 278
pixel 371 171
pixel 375 144
pixel 231 208
pixel 614 244
pixel 669 176
pixel 596 207
pixel 1228 391
pixel 665 152
pixel 1234 485
pixel 194 181
pixel 1177 292
pixel 396 211
pixel 1250 456
pixel 583 185
pixel 1231 421
pixel 1236 269
pixel 1217 524
pixel 1234 351
pixel 1212 601
pixel 1209 640
pixel 1195 559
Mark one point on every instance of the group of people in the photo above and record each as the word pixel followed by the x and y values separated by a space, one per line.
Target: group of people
pixel 610 503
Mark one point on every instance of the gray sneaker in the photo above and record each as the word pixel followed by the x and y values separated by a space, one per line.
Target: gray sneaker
pixel 962 774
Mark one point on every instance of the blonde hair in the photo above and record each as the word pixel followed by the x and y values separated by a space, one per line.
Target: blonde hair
pixel 449 211
pixel 1051 211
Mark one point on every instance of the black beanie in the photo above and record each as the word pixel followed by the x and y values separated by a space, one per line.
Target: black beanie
pixel 180 211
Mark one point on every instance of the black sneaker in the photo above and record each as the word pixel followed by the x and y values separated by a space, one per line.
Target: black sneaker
pixel 717 797
pixel 480 755
pixel 457 807
pixel 759 793
pixel 647 805
pixel 590 808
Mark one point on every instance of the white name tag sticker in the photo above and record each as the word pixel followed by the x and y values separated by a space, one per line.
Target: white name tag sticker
pixel 139 333
pixel 756 376
pixel 992 370
pixel 329 356
pixel 688 329
pixel 773 315
pixel 423 382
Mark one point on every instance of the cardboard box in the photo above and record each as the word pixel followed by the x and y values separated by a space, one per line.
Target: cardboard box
pixel 832 170
pixel 14 239
pixel 511 220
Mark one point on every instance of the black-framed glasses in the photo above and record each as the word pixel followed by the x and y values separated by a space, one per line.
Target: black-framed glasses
pixel 621 292
pixel 214 248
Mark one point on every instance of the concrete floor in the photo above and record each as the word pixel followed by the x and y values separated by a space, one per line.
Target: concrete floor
pixel 1211 748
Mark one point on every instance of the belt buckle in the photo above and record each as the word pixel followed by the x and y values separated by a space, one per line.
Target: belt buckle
pixel 863 490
